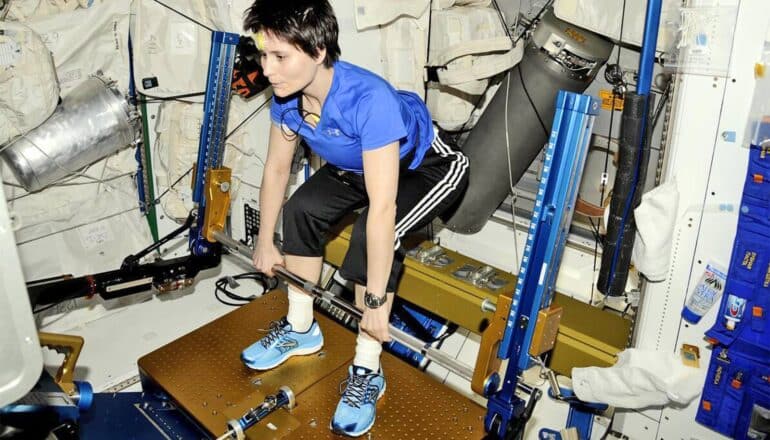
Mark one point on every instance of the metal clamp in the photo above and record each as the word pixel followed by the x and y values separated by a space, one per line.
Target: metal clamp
pixel 432 256
pixel 237 428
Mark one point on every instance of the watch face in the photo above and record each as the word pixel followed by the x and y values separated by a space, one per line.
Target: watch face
pixel 372 301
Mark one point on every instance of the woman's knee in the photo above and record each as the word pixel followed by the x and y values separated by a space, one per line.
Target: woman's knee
pixel 303 228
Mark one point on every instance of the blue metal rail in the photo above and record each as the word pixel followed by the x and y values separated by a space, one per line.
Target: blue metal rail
pixel 212 140
pixel 564 160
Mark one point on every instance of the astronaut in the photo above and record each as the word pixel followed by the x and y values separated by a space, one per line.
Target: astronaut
pixel 382 154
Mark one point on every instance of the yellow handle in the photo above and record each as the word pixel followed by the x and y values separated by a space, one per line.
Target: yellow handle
pixel 70 346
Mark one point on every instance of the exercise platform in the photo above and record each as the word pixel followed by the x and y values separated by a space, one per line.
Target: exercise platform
pixel 202 374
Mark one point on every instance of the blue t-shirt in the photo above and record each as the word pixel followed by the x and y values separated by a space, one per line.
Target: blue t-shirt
pixel 361 112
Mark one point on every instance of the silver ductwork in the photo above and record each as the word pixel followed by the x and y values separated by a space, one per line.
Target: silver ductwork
pixel 92 122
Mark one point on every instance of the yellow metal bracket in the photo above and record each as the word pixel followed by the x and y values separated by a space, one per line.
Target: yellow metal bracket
pixel 579 334
pixel 546 328
pixel 487 362
pixel 70 346
pixel 217 193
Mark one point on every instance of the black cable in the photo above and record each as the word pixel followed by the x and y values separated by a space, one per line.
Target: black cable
pixel 502 20
pixel 532 103
pixel 50 306
pixel 183 15
pixel 154 99
pixel 612 111
pixel 659 109
pixel 438 342
pixel 595 231
pixel 287 131
pixel 427 48
pixel 625 310
pixel 246 119
pixel 157 199
pixel 265 282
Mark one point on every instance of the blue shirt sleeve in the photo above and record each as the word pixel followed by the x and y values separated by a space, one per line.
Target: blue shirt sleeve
pixel 275 111
pixel 378 118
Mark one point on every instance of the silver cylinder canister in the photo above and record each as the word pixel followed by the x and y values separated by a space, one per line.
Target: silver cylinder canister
pixel 92 122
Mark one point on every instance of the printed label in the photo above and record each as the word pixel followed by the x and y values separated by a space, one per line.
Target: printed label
pixel 748 259
pixel 767 277
pixel 182 38
pixel 10 52
pixel 606 98
pixel 735 307
pixel 94 235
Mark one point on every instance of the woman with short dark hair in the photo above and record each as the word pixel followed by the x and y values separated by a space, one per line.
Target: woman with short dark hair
pixel 382 154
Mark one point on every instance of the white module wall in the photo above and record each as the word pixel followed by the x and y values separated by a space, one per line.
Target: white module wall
pixel 708 161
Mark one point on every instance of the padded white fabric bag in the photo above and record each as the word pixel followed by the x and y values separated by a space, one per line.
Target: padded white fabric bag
pixel 603 17
pixel 29 90
pixel 172 49
pixel 23 10
pixel 377 12
pixel 176 150
pixel 85 41
pixel 469 46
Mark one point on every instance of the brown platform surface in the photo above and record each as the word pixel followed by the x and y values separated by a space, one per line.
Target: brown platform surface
pixel 202 372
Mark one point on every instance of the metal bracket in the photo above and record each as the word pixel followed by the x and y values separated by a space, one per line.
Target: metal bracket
pixel 562 170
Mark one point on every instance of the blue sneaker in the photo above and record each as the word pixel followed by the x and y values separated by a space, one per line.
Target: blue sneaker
pixel 357 409
pixel 280 344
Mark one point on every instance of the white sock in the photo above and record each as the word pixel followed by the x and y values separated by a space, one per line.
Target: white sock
pixel 368 352
pixel 300 314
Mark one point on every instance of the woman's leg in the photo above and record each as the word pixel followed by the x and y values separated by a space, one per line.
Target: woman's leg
pixel 300 314
pixel 368 349
pixel 423 194
pixel 317 205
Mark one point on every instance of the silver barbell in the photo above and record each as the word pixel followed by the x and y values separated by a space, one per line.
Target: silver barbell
pixel 461 369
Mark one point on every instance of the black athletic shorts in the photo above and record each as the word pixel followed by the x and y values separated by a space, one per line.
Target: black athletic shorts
pixel 329 194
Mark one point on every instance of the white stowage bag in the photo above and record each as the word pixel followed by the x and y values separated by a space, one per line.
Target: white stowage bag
pixel 468 45
pixel 237 12
pixel 176 150
pixel 85 41
pixel 639 379
pixel 405 43
pixel 655 221
pixel 172 49
pixel 377 12
pixel 603 17
pixel 20 10
pixel 23 10
pixel 29 90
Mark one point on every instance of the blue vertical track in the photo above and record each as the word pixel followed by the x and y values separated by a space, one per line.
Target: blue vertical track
pixel 564 160
pixel 649 45
pixel 213 127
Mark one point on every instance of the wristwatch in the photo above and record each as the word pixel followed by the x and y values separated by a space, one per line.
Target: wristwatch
pixel 373 301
